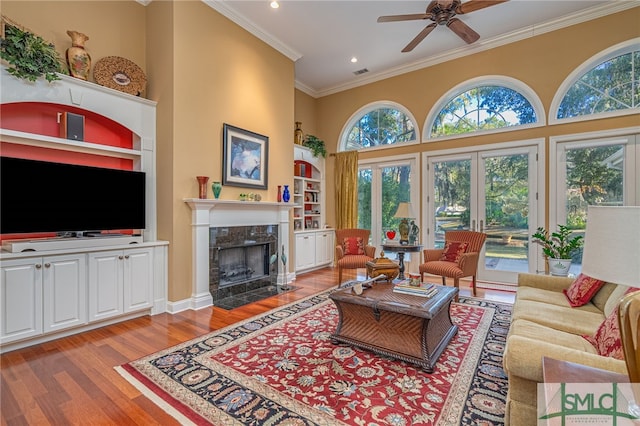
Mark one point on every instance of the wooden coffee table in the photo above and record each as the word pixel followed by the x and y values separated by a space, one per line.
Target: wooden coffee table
pixel 409 328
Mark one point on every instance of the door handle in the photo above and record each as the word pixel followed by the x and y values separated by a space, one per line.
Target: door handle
pixel 481 226
pixel 473 225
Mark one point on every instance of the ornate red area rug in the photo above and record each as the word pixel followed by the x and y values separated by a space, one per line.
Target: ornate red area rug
pixel 281 368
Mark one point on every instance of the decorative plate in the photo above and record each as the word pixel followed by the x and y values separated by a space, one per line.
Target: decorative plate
pixel 120 74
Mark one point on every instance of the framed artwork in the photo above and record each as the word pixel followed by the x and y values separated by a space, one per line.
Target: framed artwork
pixel 316 225
pixel 245 157
pixel 307 223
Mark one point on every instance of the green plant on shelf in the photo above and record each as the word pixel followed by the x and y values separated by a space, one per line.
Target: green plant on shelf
pixel 316 145
pixel 29 55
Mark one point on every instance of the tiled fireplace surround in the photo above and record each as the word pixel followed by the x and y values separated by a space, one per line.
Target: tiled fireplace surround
pixel 221 214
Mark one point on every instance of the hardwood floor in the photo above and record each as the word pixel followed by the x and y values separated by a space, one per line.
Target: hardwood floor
pixel 72 381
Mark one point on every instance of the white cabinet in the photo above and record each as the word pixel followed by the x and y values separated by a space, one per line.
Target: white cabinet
pixel 305 251
pixel 314 249
pixel 64 291
pixel 42 295
pixel 120 281
pixel 324 247
pixel 21 299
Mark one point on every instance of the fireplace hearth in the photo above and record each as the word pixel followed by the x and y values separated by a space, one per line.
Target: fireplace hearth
pixel 239 259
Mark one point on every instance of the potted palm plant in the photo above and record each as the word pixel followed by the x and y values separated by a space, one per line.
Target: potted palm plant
pixel 558 247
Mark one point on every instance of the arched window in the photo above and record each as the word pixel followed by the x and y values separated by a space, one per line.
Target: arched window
pixel 379 124
pixel 483 104
pixel 606 85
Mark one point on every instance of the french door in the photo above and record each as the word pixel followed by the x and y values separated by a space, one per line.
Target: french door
pixel 491 191
pixel 382 185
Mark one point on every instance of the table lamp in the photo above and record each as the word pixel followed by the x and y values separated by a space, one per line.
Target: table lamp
pixel 612 254
pixel 404 213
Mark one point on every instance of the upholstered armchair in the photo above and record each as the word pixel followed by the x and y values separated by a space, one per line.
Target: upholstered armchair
pixel 458 258
pixel 352 249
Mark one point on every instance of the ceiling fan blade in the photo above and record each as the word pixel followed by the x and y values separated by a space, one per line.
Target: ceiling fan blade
pixel 463 30
pixel 473 5
pixel 409 47
pixel 410 17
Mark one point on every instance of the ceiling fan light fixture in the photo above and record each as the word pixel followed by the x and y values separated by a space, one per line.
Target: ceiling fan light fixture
pixel 443 12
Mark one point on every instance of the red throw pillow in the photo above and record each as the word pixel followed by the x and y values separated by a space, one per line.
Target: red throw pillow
pixel 453 250
pixel 607 339
pixel 353 245
pixel 582 290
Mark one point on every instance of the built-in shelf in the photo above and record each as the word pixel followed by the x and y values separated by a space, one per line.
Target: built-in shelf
pixel 42 141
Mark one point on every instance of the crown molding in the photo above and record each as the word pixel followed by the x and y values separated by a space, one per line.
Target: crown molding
pixel 480 46
pixel 221 7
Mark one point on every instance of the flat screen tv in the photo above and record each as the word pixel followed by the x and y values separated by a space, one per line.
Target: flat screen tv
pixel 41 196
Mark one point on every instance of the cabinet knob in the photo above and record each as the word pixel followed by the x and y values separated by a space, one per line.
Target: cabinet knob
pixel 47 265
pixel 126 256
pixel 121 257
pixel 38 266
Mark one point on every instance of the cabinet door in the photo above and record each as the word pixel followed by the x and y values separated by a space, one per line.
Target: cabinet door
pixel 105 284
pixel 21 299
pixel 305 251
pixel 324 247
pixel 138 279
pixel 64 283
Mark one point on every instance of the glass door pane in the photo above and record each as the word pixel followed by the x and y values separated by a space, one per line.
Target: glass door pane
pixel 452 197
pixel 364 198
pixel 593 175
pixel 506 198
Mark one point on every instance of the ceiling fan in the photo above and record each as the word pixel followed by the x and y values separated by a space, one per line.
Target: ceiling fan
pixel 443 12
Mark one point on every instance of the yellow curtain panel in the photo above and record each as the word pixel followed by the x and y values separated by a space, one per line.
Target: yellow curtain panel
pixel 346 180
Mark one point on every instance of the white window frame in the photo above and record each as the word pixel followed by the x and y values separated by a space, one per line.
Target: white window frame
pixel 356 116
pixel 376 190
pixel 603 56
pixel 489 80
pixel 557 144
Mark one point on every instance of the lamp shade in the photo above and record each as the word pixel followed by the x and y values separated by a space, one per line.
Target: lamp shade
pixel 405 211
pixel 612 245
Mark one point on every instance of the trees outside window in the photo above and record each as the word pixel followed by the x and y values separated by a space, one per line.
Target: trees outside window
pixel 483 107
pixel 611 85
pixel 378 125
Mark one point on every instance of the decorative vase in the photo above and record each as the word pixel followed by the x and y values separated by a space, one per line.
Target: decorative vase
pixel 559 267
pixel 297 134
pixel 216 187
pixel 286 196
pixel 78 59
pixel 202 186
pixel 279 194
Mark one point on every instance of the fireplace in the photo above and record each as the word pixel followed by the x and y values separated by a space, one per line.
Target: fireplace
pixel 239 259
pixel 208 214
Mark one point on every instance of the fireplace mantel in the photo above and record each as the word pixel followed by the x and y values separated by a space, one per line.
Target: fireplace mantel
pixel 206 213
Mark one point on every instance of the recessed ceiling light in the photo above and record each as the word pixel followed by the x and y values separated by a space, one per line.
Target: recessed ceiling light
pixel 354 60
pixel 275 4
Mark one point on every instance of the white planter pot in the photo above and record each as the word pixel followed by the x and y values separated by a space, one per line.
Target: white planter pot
pixel 559 267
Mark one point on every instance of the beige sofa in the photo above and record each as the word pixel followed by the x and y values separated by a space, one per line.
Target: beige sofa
pixel 544 324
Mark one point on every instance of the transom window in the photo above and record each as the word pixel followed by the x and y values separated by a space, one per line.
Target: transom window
pixel 484 104
pixel 483 108
pixel 611 85
pixel 378 125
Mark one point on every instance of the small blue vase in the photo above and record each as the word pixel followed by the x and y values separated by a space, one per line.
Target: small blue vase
pixel 286 196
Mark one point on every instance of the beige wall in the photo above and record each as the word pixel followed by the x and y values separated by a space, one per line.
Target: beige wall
pixel 541 62
pixel 114 28
pixel 203 70
pixel 305 112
